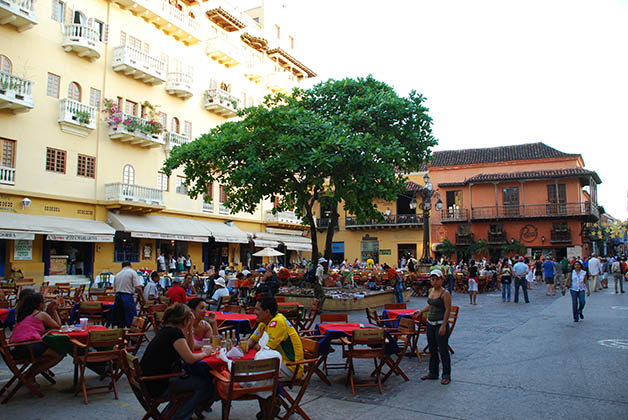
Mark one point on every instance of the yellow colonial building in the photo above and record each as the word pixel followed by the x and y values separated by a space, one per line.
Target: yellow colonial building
pixel 93 96
pixel 398 234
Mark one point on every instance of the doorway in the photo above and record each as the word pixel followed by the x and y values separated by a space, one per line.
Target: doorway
pixel 79 257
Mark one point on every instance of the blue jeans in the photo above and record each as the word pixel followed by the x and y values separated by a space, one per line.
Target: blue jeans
pixel 438 345
pixel 524 285
pixel 506 287
pixel 577 303
pixel 449 285
pixel 399 292
pixel 202 393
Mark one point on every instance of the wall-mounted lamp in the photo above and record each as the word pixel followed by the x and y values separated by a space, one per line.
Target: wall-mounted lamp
pixel 26 202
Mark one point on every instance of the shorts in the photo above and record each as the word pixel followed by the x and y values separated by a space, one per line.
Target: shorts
pixel 22 352
pixel 473 285
pixel 549 280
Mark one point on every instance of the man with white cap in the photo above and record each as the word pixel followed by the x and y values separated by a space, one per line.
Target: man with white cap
pixel 318 283
pixel 221 291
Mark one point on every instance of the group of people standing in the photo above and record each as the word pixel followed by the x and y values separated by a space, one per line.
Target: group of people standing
pixel 171 264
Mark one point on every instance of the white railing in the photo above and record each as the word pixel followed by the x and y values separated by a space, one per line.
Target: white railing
pixel 224 98
pixel 208 207
pixel 26 6
pixel 180 78
pixel 170 11
pixel 124 52
pixel 222 209
pixel 282 80
pixel 7 175
pixel 74 111
pixel 119 191
pixel 75 30
pixel 16 86
pixel 176 139
pixel 224 46
pixel 282 216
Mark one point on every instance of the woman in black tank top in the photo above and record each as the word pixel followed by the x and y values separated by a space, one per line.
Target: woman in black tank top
pixel 438 309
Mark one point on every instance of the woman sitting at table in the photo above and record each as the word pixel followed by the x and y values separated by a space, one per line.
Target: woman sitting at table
pixel 438 309
pixel 33 319
pixel 163 355
pixel 200 328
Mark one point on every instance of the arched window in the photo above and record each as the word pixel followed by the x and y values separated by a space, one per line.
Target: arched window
pixel 5 64
pixel 176 126
pixel 79 18
pixel 128 175
pixel 74 92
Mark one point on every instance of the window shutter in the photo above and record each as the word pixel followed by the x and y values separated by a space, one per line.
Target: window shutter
pixel 105 32
pixel 146 48
pixel 213 84
pixel 55 10
pixel 188 129
pixel 69 14
pixel 122 38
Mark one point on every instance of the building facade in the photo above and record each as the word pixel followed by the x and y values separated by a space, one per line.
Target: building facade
pixel 94 95
pixel 531 193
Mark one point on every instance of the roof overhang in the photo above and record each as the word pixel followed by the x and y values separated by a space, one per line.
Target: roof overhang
pixel 224 19
pixel 290 63
pixel 26 226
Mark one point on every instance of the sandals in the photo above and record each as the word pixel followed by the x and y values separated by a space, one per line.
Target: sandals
pixel 445 381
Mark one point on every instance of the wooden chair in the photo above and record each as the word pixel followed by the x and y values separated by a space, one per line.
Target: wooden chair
pixel 139 386
pixel 373 318
pixel 395 306
pixel 236 309
pixel 453 317
pixel 155 315
pixel 310 315
pixel 64 289
pixel 164 299
pixel 247 371
pixel 224 301
pixel 19 368
pixel 77 296
pixel 106 298
pixel 93 311
pixel 311 366
pixel 335 318
pixel 366 344
pixel 405 335
pixel 292 314
pixel 112 339
pixel 94 292
pixel 136 335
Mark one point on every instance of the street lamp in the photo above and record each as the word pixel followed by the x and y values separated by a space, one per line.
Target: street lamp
pixel 426 193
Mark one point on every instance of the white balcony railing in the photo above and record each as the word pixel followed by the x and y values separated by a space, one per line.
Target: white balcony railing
pixel 287 217
pixel 76 118
pixel 119 191
pixel 139 65
pixel 222 209
pixel 223 51
pixel 175 139
pixel 166 17
pixel 83 40
pixel 19 13
pixel 180 84
pixel 7 175
pixel 135 130
pixel 221 102
pixel 208 207
pixel 281 81
pixel 254 71
pixel 15 92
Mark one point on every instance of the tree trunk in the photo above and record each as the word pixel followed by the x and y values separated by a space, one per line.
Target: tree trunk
pixel 333 222
pixel 310 218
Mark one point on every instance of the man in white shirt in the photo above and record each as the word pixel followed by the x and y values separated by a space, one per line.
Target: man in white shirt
pixel 595 269
pixel 616 272
pixel 521 270
pixel 161 263
pixel 221 291
pixel 125 283
pixel 150 291
pixel 321 271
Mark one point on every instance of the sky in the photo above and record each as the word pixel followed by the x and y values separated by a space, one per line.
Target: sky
pixel 494 72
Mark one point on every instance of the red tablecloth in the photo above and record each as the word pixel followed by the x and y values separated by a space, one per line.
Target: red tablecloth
pixel 346 328
pixel 189 298
pixel 217 364
pixel 289 303
pixel 4 313
pixel 396 313
pixel 82 334
pixel 223 316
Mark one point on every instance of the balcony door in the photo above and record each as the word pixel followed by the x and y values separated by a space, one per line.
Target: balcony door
pixel 557 199
pixel 510 198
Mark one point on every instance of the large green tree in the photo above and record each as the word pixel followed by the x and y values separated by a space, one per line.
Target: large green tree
pixel 344 141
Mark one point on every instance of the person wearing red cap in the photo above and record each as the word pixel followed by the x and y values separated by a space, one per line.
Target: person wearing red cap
pixel 397 283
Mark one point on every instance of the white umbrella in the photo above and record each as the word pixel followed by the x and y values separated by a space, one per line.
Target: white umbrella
pixel 268 252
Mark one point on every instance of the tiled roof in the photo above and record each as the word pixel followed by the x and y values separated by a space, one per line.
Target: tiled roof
pixel 527 151
pixel 516 176
pixel 257 43
pixel 291 59
pixel 413 186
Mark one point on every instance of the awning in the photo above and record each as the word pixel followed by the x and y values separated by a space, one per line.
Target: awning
pixel 160 227
pixel 292 242
pixel 223 232
pixel 26 226
pixel 298 247
pixel 262 243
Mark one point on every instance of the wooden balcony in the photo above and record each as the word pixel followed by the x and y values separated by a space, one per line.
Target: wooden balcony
pixel 133 130
pixel 464 239
pixel 175 139
pixel 497 238
pixel 180 84
pixel 139 65
pixel 587 211
pixel 454 215
pixel 283 219
pixel 166 17
pixel 83 40
pixel 393 221
pixel 7 175
pixel 18 13
pixel 223 51
pixel 221 102
pixel 560 236
pixel 77 118
pixel 223 14
pixel 15 93
pixel 133 197
pixel 281 81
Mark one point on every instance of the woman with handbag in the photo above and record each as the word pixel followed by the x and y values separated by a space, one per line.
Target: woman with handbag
pixel 577 283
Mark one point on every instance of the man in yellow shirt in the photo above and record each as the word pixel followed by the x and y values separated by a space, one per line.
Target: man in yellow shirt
pixel 370 263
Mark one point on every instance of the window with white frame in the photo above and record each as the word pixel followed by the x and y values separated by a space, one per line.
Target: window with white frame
pixel 94 97
pixel 128 175
pixel 162 181
pixel 5 64
pixel 74 92
pixel 181 188
pixel 58 10
pixel 53 85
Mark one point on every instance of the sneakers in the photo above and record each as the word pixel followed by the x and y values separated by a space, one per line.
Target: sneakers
pixel 581 315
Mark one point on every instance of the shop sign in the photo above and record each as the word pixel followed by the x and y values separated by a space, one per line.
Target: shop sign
pixel 7 234
pixel 169 237
pixel 23 250
pixel 80 238
pixel 385 252
pixel 337 247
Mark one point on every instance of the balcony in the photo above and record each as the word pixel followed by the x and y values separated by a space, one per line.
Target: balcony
pixel 282 218
pixel 166 17
pixel 76 118
pixel 323 223
pixel 15 93
pixel 586 210
pixel 7 175
pixel 560 236
pixel 497 238
pixel 281 81
pixel 83 40
pixel 222 209
pixel 208 207
pixel 464 238
pixel 180 84
pixel 221 102
pixel 223 14
pixel 388 222
pixel 135 130
pixel 139 65
pixel 454 215
pixel 175 139
pixel 254 71
pixel 133 197
pixel 223 51
pixel 18 13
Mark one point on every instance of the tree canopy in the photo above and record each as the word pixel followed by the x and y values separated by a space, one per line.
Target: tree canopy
pixel 347 141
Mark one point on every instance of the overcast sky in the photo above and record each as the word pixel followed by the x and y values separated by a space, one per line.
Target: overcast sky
pixel 494 72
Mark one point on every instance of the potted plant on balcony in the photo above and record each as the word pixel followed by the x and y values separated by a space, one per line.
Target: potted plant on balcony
pixel 3 87
pixel 82 117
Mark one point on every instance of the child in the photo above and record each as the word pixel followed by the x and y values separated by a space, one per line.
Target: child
pixel 473 282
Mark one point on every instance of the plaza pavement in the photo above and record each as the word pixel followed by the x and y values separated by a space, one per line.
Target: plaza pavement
pixel 512 361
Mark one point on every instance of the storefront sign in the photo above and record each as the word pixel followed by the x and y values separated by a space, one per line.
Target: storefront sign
pixel 528 233
pixel 23 250
pixel 385 252
pixel 80 238
pixel 8 234
pixel 337 247
pixel 170 237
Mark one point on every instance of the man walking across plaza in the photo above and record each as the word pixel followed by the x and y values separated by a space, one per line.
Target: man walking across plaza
pixel 321 271
pixel 617 276
pixel 521 271
pixel 548 274
pixel 595 269
pixel 125 283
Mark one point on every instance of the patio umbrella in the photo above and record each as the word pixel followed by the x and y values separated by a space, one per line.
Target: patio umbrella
pixel 268 252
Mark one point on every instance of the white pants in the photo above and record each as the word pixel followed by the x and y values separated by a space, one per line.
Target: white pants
pixel 595 282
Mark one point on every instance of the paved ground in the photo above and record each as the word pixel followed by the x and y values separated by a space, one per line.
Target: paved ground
pixel 512 361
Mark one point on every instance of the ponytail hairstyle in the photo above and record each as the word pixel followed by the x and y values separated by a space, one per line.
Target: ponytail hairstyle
pixel 28 305
pixel 177 314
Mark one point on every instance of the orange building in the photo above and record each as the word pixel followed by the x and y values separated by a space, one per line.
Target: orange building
pixel 530 193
